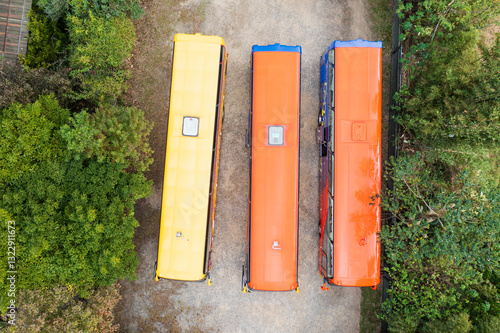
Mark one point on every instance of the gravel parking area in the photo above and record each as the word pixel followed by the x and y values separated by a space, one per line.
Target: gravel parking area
pixel 169 306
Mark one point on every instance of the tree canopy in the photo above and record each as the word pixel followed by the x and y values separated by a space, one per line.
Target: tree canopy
pixel 72 196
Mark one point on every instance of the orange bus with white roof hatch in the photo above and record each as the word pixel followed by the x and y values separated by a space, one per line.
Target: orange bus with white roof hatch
pixel 273 139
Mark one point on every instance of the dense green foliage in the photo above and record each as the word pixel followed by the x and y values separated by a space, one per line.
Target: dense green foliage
pixel 99 43
pixel 442 250
pixel 72 158
pixel 56 9
pixel 113 133
pixel 20 86
pixel 74 211
pixel 29 135
pixel 99 47
pixel 62 310
pixel 46 41
pixel 455 100
pixel 100 37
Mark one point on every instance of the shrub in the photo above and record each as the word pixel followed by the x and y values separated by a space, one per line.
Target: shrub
pixel 20 86
pixel 29 135
pixel 442 244
pixel 99 48
pixel 60 309
pixel 115 134
pixel 99 43
pixel 455 99
pixel 74 216
pixel 108 8
pixel 46 41
pixel 458 323
pixel 56 9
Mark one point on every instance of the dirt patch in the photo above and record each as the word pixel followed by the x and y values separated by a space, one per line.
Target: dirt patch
pixel 169 306
pixel 490 34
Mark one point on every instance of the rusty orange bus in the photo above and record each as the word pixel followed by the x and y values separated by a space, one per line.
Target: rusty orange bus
pixel 349 137
pixel 273 138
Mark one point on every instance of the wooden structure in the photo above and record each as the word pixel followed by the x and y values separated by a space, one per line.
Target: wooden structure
pixel 13 28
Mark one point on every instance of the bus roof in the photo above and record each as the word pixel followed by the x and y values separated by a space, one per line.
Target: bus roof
pixel 199 38
pixel 357 166
pixel 188 162
pixel 351 43
pixel 276 48
pixel 275 170
pixel 357 43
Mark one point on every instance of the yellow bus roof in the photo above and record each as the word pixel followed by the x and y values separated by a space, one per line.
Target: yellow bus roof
pixel 188 162
pixel 199 38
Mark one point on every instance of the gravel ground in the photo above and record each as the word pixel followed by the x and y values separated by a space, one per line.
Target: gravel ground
pixel 170 306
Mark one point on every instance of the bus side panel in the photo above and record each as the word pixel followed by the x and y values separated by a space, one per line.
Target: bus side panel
pixel 323 163
pixel 274 193
pixel 357 166
pixel 215 170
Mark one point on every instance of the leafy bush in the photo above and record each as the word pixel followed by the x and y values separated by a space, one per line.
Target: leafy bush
pixel 20 86
pixel 455 99
pixel 56 9
pixel 61 310
pixel 442 245
pixel 441 251
pixel 103 86
pixel 108 8
pixel 458 323
pixel 74 216
pixel 115 134
pixel 99 47
pixel 99 43
pixel 101 37
pixel 29 135
pixel 46 41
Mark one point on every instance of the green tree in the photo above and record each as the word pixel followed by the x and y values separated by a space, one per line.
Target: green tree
pixel 29 135
pixel 442 244
pixel 442 251
pixel 74 210
pixel 458 323
pixel 46 41
pixel 490 324
pixel 99 43
pixel 115 134
pixel 108 8
pixel 456 99
pixel 99 47
pixel 57 9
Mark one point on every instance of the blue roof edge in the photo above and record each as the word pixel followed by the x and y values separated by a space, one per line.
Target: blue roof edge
pixel 276 48
pixel 357 43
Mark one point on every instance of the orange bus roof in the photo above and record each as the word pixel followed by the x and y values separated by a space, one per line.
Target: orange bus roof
pixel 274 171
pixel 357 166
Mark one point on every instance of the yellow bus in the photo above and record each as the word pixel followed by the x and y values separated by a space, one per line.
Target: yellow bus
pixel 192 158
